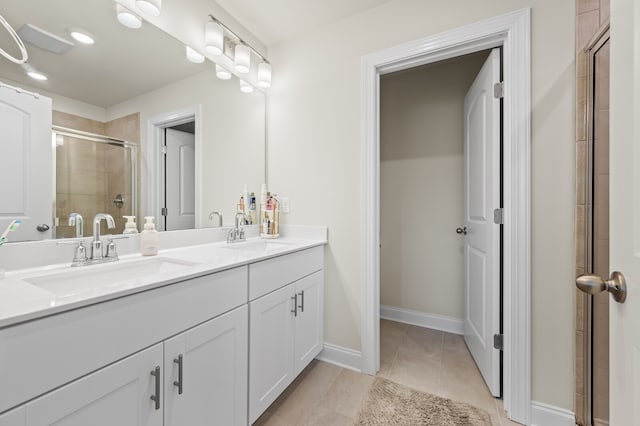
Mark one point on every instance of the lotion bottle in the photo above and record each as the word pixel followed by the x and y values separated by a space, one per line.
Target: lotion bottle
pixel 149 238
pixel 130 226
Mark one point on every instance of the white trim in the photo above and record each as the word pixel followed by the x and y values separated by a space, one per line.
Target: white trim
pixel 548 415
pixel 341 356
pixel 155 125
pixel 512 31
pixel 423 319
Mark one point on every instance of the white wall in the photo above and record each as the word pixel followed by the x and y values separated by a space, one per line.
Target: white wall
pixel 314 158
pixel 421 185
pixel 233 136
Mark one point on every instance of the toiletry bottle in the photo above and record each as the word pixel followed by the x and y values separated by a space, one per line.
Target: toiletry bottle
pixel 130 226
pixel 149 238
pixel 252 209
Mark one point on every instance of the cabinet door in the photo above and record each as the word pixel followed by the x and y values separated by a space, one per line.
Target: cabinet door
pixel 214 373
pixel 309 324
pixel 270 348
pixel 13 418
pixel 119 394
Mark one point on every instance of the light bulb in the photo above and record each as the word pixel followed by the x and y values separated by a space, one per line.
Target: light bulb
pixel 242 58
pixel 194 56
pixel 128 18
pixel 222 73
pixel 150 7
pixel 213 38
pixel 245 87
pixel 264 75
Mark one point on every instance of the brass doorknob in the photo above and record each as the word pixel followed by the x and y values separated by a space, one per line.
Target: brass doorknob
pixel 593 284
pixel 461 230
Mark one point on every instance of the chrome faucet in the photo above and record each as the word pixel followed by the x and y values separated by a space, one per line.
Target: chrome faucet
pixel 96 245
pixel 237 233
pixel 75 219
pixel 216 213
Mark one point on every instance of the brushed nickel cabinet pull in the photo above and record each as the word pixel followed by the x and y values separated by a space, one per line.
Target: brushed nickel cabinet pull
pixel 156 398
pixel 301 306
pixel 295 304
pixel 179 382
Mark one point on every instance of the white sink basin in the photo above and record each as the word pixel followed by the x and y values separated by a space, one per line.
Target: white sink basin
pixel 93 278
pixel 259 246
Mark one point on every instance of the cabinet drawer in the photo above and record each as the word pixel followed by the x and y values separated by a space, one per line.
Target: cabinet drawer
pixel 271 274
pixel 38 356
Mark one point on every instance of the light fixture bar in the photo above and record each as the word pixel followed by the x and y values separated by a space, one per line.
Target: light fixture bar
pixel 237 38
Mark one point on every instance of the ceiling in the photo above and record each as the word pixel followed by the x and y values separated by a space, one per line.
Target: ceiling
pixel 122 64
pixel 276 21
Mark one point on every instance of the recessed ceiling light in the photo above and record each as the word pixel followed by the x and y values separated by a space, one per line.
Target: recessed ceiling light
pixel 82 37
pixel 37 75
pixel 194 56
pixel 127 17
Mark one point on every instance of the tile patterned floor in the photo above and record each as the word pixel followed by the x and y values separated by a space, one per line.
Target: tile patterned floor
pixel 428 360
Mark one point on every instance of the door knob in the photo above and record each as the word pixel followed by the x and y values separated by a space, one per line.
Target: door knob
pixel 43 227
pixel 593 284
pixel 461 230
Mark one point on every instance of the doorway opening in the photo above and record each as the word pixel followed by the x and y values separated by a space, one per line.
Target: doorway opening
pixel 511 32
pixel 440 253
pixel 174 144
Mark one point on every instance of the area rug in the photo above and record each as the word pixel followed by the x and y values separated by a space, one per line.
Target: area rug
pixel 389 403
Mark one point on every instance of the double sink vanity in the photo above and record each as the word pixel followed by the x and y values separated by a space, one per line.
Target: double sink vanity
pixel 201 334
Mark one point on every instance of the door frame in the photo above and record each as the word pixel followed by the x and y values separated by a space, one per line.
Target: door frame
pixel 155 171
pixel 512 32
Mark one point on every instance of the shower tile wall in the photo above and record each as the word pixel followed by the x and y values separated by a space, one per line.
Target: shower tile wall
pixel 90 175
pixel 591 15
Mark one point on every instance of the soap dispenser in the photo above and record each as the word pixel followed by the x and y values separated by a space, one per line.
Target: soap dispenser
pixel 130 226
pixel 149 238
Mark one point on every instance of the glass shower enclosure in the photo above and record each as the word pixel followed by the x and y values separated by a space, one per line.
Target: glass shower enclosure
pixel 93 174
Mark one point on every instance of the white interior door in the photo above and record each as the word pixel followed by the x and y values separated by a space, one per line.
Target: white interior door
pixel 624 325
pixel 482 241
pixel 27 170
pixel 180 178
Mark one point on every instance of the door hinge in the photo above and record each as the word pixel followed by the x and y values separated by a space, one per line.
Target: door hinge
pixel 163 211
pixel 498 90
pixel 164 150
pixel 498 342
pixel 498 216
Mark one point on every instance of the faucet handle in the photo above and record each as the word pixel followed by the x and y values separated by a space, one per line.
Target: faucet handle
pixel 79 255
pixel 112 253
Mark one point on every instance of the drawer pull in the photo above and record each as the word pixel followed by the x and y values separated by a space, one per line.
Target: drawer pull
pixel 156 398
pixel 179 382
pixel 295 304
pixel 301 306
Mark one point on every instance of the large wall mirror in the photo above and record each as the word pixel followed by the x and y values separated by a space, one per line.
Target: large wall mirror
pixel 137 129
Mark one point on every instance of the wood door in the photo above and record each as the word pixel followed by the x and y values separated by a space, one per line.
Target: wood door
pixel 180 180
pixel 119 394
pixel 624 203
pixel 26 172
pixel 482 241
pixel 309 322
pixel 271 365
pixel 214 373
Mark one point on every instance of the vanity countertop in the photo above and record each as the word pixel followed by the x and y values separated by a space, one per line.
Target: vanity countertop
pixel 35 293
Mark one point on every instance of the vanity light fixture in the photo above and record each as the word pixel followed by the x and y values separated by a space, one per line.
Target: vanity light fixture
pixel 82 36
pixel 222 73
pixel 242 58
pixel 128 18
pixel 245 87
pixel 194 56
pixel 264 75
pixel 150 7
pixel 213 38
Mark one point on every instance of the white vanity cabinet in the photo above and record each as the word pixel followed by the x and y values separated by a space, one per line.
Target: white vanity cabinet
pixel 119 394
pixel 205 369
pixel 286 323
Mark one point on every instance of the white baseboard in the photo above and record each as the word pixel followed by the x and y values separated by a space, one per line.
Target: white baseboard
pixel 548 415
pixel 342 357
pixel 433 321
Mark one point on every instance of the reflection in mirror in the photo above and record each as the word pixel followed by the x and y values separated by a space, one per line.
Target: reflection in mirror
pixel 117 87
